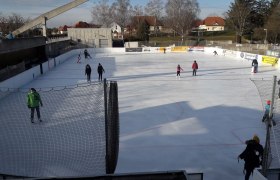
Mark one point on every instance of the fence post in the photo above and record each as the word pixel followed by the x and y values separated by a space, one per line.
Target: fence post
pixel 106 120
pixel 267 148
pixel 272 98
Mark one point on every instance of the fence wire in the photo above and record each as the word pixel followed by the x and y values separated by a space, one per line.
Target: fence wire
pixel 74 138
pixel 271 157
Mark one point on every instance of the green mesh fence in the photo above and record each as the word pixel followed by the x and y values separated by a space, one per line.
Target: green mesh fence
pixel 272 147
pixel 78 136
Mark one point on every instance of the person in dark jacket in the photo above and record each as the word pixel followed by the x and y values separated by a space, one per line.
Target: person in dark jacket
pixel 100 71
pixel 194 68
pixel 255 66
pixel 33 102
pixel 87 54
pixel 88 72
pixel 252 155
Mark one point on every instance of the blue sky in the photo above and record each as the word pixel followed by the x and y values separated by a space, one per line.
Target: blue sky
pixel 33 8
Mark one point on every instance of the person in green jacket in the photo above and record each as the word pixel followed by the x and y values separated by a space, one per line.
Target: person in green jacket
pixel 33 102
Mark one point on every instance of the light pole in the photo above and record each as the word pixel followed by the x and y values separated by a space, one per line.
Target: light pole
pixel 265 39
pixel 251 38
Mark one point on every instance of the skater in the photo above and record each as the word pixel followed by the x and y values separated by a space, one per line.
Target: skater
pixel 194 67
pixel 100 71
pixel 33 102
pixel 179 69
pixel 252 156
pixel 87 54
pixel 255 66
pixel 164 50
pixel 88 72
pixel 79 58
pixel 266 110
pixel 215 53
pixel 266 114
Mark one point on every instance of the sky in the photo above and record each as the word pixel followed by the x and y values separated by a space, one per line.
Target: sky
pixel 34 8
pixel 195 123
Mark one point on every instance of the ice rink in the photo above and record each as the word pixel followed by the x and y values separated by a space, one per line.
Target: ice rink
pixel 195 123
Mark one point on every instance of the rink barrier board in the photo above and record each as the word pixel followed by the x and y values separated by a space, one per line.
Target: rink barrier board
pixel 27 76
pixel 269 60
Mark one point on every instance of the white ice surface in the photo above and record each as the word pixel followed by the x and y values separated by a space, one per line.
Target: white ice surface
pixel 197 124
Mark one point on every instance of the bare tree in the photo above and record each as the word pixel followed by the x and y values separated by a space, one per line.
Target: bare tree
pixel 155 8
pixel 121 10
pixel 11 22
pixel 102 13
pixel 181 15
pixel 237 17
pixel 137 10
pixel 3 22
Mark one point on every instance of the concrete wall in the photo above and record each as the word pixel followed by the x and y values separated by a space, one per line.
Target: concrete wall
pixel 131 44
pixel 93 37
pixel 11 45
pixel 29 75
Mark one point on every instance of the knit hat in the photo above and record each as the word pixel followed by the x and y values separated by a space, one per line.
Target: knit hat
pixel 268 102
pixel 256 138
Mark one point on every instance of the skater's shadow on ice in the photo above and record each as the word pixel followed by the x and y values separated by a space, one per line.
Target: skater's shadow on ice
pixel 177 119
pixel 220 72
pixel 139 76
pixel 171 74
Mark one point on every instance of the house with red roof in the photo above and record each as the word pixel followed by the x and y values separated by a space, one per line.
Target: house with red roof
pixel 154 24
pixel 63 29
pixel 82 24
pixel 214 23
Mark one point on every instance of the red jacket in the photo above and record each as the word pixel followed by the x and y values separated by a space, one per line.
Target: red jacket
pixel 194 65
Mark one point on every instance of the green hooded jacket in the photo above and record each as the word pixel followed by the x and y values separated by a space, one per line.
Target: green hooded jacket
pixel 33 99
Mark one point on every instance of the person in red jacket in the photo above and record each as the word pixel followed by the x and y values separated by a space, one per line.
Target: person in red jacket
pixel 179 69
pixel 194 67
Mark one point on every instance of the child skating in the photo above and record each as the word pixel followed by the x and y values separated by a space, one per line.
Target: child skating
pixel 79 58
pixel 179 69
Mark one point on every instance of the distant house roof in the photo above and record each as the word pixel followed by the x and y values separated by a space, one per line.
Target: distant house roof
pixel 214 21
pixel 63 28
pixel 198 23
pixel 150 20
pixel 82 24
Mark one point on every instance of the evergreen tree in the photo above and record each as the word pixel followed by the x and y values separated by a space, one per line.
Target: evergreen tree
pixel 258 15
pixel 248 16
pixel 143 31
pixel 274 3
pixel 273 24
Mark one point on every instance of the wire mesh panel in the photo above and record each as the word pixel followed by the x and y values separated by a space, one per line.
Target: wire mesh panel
pixel 112 128
pixel 272 147
pixel 71 140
